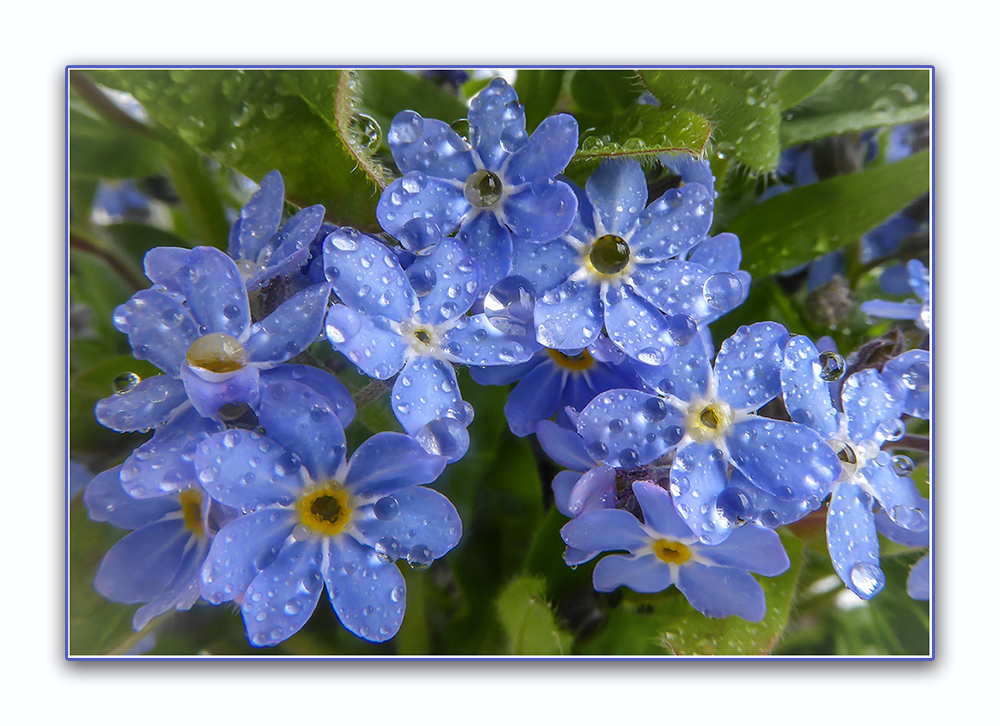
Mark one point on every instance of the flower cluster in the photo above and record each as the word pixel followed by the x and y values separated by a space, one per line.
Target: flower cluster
pixel 681 462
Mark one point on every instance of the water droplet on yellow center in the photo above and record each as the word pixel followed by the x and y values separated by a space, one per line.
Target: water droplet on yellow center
pixel 673 553
pixel 609 254
pixel 579 362
pixel 218 353
pixel 483 189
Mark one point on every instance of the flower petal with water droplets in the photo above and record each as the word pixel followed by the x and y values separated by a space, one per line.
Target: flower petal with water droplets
pixel 697 478
pixel 146 406
pixel 605 529
pixel 282 598
pixel 545 266
pixel 388 462
pixel 617 189
pixel 208 396
pixel 369 344
pixel 301 421
pixel 332 390
pixel 659 512
pixel 718 592
pixel 476 342
pixel 214 292
pixel 564 446
pixel 456 282
pixel 426 389
pixel 368 596
pixel 143 562
pixel 159 328
pixel 162 265
pixel 493 112
pixel 616 425
pixel 290 329
pixel 674 223
pixel 425 517
pixel 807 395
pixel 853 540
pixel 489 244
pixel 908 378
pixel 752 548
pixel 259 218
pixel 366 276
pixel 437 151
pixel 245 470
pixel 748 367
pixel 636 326
pixel 107 501
pixel 540 212
pixel 570 316
pixel 547 152
pixel 868 403
pixel 675 287
pixel 420 196
pixel 720 253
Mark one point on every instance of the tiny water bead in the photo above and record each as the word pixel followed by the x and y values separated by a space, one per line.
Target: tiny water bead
pixel 917 377
pixel 609 254
pixel 367 131
pixel 386 508
pixel 849 459
pixel 673 553
pixel 831 366
pixel 191 511
pixel 217 353
pixel 444 437
pixel 682 329
pixel 483 189
pixel 125 382
pixel 867 578
pixel 326 509
pixel 707 421
pixel 579 362
pixel 902 465
pixel 723 291
pixel 419 557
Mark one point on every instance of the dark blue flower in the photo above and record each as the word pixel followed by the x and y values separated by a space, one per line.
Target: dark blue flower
pixel 312 517
pixel 260 249
pixel 160 561
pixel 195 326
pixel 622 267
pixel 707 417
pixel 412 322
pixel 499 181
pixel 868 476
pixel 663 551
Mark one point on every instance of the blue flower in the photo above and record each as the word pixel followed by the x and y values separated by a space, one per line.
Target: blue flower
pixel 498 182
pixel 908 377
pixel 312 517
pixel 707 418
pixel 868 476
pixel 620 268
pixel 260 249
pixel 663 551
pixel 160 561
pixel 553 380
pixel 412 322
pixel 195 325
pixel 919 311
pixel 120 202
pixel 916 534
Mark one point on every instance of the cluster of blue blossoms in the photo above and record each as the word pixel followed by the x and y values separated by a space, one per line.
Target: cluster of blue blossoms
pixel 596 302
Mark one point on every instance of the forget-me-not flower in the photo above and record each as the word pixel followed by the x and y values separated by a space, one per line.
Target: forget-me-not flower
pixel 663 551
pixel 919 311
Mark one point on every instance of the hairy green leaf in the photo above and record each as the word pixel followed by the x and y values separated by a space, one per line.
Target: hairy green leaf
pixel 604 93
pixel 795 85
pixel 527 620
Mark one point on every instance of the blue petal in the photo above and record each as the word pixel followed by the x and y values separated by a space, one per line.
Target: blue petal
pixel 541 212
pixel 368 596
pixel 456 281
pixel 697 478
pixel 637 327
pixel 495 115
pixel 366 276
pixel 372 345
pixel 689 209
pixel 297 234
pixel 106 501
pixel 544 266
pixel 245 470
pixel 919 278
pixel 534 398
pixel 896 494
pixel 332 390
pixel 908 379
pixel 181 593
pixel 674 287
pixel 807 395
pixel 685 375
pixel 617 189
pixel 146 406
pixel 718 592
pixel 783 458
pixel 208 396
pixel 290 329
pixel 659 512
pixel 159 328
pixel 260 217
pixel 605 529
pixel 429 146
pixel 241 550
pixel 143 562
pixel 301 421
pixel 752 548
pixel 918 584
pixel 475 341
pixel 639 574
pixel 547 152
pixel 562 486
pixel 419 196
pixel 215 293
pixel 426 389
pixel 388 462
pixel 282 598
pixel 748 367
pixel 424 518
pixel 583 228
pixel 162 265
pixel 564 446
pixel 594 490
pixel 689 168
pixel 853 540
pixel 164 463
pixel 867 403
pixel 504 375
pixel 489 244
pixel 719 254
pixel 744 501
pixel 909 310
pixel 917 531
pixel 628 428
pixel 569 316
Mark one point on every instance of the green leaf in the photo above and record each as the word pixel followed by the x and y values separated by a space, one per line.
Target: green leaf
pixel 527 620
pixel 854 100
pixel 545 558
pixel 604 93
pixel 904 622
pixel 741 104
pixel 538 89
pixel 796 85
pixel 94 283
pixel 804 223
pixel 98 150
pixel 254 122
pixel 384 93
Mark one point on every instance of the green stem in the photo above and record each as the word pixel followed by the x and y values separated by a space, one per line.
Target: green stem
pixel 137 281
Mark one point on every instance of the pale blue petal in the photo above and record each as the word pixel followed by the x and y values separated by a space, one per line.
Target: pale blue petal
pixel 659 511
pixel 896 494
pixel 282 598
pixel 159 328
pixel 419 196
pixel 162 265
pixel 495 115
pixel 369 596
pixel 366 276
pixel 853 541
pixel 547 152
pixel 605 529
pixel 388 462
pixel 639 574
pixel 629 428
pixel 637 327
pixel 564 446
pixel 685 375
pixel 617 189
pixel 908 378
pixel 332 390
pixel 489 244
pixel 475 341
pixel 720 253
pixel 748 367
pixel 429 146
pixel 867 403
pixel 675 287
pixel 562 486
pixel 697 478
pixel 674 223
pixel 245 470
pixel 215 293
pixel 764 451
pixel 569 316
pixel 534 398
pixel 208 396
pixel 456 281
pixel 290 329
pixel 181 593
pixel 146 406
pixel 596 489
pixel 545 266
pixel 752 548
pixel 143 562
pixel 424 518
pixel 370 344
pixel 426 389
pixel 807 394
pixel 260 217
pixel 918 584
pixel 301 421
pixel 908 310
pixel 541 212
pixel 718 592
pixel 106 501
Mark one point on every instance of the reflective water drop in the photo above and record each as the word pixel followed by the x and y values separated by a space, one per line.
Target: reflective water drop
pixel 422 278
pixel 917 377
pixel 891 430
pixel 366 130
pixel 509 306
pixel 831 366
pixel 444 437
pixel 682 329
pixel 609 254
pixel 396 594
pixel 734 506
pixel 388 549
pixel 386 508
pixel 654 409
pixel 723 291
pixel 419 557
pixel 651 356
pixel 673 435
pixel 406 127
pixel 483 189
pixel 628 458
pixel 598 450
pixel 125 382
pixel 419 236
pixel 902 465
pixel 867 579
pixel 342 324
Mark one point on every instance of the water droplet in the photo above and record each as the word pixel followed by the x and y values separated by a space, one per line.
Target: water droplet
pixel 723 291
pixel 444 437
pixel 628 458
pixel 388 549
pixel 917 377
pixel 483 189
pixel 902 465
pixel 651 356
pixel 419 557
pixel 407 127
pixel 422 278
pixel 672 435
pixel 831 366
pixel 734 506
pixel 386 508
pixel 867 578
pixel 891 430
pixel 598 450
pixel 366 130
pixel 682 329
pixel 396 594
pixel 654 409
pixel 125 382
pixel 419 236
pixel 509 306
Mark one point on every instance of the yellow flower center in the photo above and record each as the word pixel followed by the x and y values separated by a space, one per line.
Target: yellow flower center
pixel 709 421
pixel 191 511
pixel 326 509
pixel 579 362
pixel 673 553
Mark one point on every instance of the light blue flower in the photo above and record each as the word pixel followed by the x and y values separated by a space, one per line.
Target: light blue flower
pixel 919 311
pixel 918 584
pixel 707 418
pixel 312 517
pixel 663 551
pixel 412 322
pixel 868 476
pixel 195 326
pixel 498 182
